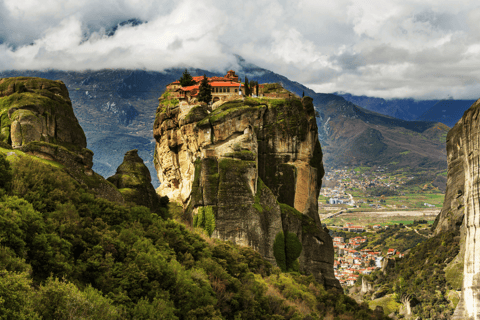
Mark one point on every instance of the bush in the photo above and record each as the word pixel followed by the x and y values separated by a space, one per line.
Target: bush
pixel 16 296
pixel 63 300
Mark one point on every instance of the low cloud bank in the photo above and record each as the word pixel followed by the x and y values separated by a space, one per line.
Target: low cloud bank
pixel 419 49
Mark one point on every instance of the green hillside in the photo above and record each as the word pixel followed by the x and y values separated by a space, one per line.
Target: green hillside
pixel 65 254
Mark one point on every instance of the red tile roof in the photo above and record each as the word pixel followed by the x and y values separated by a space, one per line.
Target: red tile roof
pixel 223 84
pixel 189 88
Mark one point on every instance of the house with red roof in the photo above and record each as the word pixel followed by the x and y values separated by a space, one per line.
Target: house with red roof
pixel 223 88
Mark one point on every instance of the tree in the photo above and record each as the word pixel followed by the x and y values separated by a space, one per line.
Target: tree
pixel 205 91
pixel 186 79
pixel 257 88
pixel 252 87
pixel 247 89
pixel 5 172
pixel 303 94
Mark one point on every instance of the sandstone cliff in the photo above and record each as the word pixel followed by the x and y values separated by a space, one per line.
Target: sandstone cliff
pixel 256 164
pixel 36 117
pixel 461 209
pixel 134 182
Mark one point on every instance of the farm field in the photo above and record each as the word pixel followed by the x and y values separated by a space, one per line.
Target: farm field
pixel 366 218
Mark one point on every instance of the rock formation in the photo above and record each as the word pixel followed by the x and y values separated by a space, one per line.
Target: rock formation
pixel 461 208
pixel 134 182
pixel 36 117
pixel 257 165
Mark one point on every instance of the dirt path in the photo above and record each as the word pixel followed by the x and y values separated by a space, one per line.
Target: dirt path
pixel 420 233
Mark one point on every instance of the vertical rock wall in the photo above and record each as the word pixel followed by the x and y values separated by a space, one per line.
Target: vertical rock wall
pixel 471 282
pixel 461 209
pixel 258 164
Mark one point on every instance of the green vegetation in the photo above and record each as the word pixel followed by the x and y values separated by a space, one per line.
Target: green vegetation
pixel 228 110
pixel 405 152
pixel 205 91
pixel 396 236
pixel 423 278
pixel 286 251
pixel 242 155
pixel 362 169
pixel 64 253
pixel 387 302
pixel 205 219
pixel 186 79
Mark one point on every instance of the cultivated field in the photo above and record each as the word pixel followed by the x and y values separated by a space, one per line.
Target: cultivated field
pixel 365 218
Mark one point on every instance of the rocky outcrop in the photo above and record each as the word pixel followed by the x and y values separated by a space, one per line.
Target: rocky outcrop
pixel 36 117
pixel 35 109
pixel 461 209
pixel 134 182
pixel 257 163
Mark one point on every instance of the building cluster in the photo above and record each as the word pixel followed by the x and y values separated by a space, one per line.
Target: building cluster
pixel 350 263
pixel 349 178
pixel 340 180
pixel 222 88
pixel 226 88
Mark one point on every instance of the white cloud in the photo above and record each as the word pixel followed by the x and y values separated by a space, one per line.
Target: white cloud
pixel 396 48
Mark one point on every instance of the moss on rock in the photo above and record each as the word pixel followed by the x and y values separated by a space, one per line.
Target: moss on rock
pixel 41 108
pixel 134 182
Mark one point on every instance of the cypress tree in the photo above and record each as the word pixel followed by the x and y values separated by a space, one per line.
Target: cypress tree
pixel 186 79
pixel 252 87
pixel 247 89
pixel 205 91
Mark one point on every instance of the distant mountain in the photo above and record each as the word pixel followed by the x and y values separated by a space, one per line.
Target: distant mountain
pixel 405 109
pixel 353 136
pixel 116 109
pixel 131 22
pixel 447 111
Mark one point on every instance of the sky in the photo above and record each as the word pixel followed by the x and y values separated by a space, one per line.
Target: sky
pixel 426 49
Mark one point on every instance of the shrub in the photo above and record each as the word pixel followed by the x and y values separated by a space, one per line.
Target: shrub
pixel 16 296
pixel 205 219
pixel 63 300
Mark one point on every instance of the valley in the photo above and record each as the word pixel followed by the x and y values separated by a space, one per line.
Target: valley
pixel 371 189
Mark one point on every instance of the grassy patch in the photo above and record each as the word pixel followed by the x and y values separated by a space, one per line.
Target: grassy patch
pixel 387 302
pixel 19 153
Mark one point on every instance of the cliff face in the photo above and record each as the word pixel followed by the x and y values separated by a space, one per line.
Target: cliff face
pixel 256 166
pixel 461 209
pixel 36 117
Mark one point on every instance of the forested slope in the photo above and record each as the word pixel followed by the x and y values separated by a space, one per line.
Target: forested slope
pixel 65 253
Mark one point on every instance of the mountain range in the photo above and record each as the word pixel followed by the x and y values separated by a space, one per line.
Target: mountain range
pixel 447 111
pixel 116 109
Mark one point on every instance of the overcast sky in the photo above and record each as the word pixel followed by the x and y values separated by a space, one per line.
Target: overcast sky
pixel 383 48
